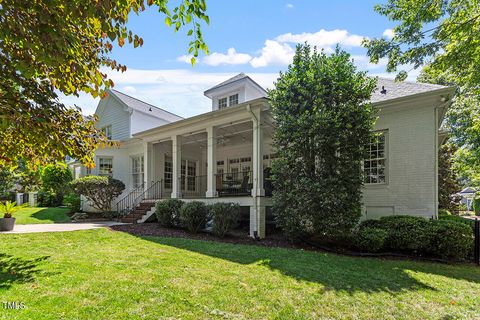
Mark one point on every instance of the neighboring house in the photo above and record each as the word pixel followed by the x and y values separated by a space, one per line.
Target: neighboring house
pixel 225 155
pixel 466 197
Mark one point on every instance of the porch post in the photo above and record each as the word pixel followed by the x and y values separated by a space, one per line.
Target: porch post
pixel 177 166
pixel 257 154
pixel 148 164
pixel 211 163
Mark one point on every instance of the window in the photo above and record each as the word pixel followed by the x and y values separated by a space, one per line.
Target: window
pixel 105 167
pixel 137 171
pixel 167 175
pixel 108 132
pixel 88 171
pixel 222 103
pixel 233 100
pixel 374 167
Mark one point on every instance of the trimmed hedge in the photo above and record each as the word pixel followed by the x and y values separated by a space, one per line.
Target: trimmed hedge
pixel 224 217
pixel 459 219
pixel 193 215
pixel 451 240
pixel 168 212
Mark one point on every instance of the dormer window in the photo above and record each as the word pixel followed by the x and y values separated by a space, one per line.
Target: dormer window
pixel 108 132
pixel 222 103
pixel 233 100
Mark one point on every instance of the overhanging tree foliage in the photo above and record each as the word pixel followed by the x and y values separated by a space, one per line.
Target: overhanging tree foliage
pixel 60 45
pixel 323 124
pixel 441 32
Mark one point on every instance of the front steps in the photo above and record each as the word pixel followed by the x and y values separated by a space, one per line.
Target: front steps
pixel 141 213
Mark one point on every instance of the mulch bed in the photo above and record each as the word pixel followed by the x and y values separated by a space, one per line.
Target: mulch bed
pixel 237 236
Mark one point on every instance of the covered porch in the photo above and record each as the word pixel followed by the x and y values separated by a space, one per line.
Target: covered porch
pixel 223 155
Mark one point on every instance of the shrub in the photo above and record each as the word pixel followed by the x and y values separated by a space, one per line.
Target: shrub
pixel 371 239
pixel 459 219
pixel 444 212
pixel 193 215
pixel 476 205
pixel 100 191
pixel 72 201
pixel 449 239
pixel 168 212
pixel 405 233
pixel 224 217
pixel 47 198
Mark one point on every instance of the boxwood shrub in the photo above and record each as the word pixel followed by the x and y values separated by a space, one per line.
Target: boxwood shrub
pixel 415 235
pixel 193 215
pixel 168 212
pixel 224 217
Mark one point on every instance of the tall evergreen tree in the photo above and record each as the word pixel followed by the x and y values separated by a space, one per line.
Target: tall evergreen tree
pixel 323 124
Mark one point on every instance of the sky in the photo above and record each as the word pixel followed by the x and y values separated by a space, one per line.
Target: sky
pixel 257 37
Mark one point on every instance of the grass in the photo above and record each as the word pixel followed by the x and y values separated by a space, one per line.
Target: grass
pixel 102 274
pixel 41 215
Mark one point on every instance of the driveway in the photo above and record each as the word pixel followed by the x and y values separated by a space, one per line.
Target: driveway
pixel 60 227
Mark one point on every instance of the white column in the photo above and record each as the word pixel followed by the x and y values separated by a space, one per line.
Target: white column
pixel 257 155
pixel 147 163
pixel 177 166
pixel 211 163
pixel 257 218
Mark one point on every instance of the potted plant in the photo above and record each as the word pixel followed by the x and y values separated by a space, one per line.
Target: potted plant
pixel 7 222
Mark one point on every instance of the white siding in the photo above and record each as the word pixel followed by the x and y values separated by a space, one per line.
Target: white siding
pixel 410 187
pixel 112 112
pixel 142 122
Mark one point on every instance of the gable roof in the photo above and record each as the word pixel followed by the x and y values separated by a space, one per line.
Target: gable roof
pixel 394 89
pixel 239 77
pixel 144 107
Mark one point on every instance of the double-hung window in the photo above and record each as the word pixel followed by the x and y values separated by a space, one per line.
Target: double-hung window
pixel 375 165
pixel 222 103
pixel 233 100
pixel 168 173
pixel 105 166
pixel 107 130
pixel 137 171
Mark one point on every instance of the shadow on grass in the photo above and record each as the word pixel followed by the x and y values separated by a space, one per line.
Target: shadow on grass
pixel 56 215
pixel 334 272
pixel 18 270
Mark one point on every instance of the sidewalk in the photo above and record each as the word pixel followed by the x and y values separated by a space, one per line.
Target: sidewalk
pixel 60 227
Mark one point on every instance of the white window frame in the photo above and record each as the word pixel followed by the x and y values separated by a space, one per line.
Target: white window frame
pixel 100 173
pixel 385 159
pixel 221 105
pixel 107 130
pixel 138 177
pixel 235 95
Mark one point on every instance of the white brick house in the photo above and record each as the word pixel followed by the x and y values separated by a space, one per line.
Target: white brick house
pixel 223 155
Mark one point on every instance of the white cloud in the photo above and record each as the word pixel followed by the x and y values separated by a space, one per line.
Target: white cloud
pixel 129 89
pixel 179 90
pixel 363 62
pixel 289 6
pixel 187 58
pixel 273 53
pixel 388 33
pixel 232 57
pixel 323 38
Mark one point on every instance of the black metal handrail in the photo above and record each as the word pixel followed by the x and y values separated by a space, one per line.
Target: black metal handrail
pixel 234 183
pixel 153 192
pixel 125 204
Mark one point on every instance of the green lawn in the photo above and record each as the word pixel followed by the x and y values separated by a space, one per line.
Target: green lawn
pixel 41 215
pixel 102 274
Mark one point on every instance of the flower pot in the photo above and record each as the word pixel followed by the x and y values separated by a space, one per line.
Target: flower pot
pixel 6 224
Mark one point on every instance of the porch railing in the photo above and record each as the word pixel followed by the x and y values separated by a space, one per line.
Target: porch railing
pixel 193 187
pixel 234 183
pixel 125 204
pixel 133 199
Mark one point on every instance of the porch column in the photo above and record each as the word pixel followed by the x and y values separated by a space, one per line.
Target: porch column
pixel 177 166
pixel 147 164
pixel 211 163
pixel 257 154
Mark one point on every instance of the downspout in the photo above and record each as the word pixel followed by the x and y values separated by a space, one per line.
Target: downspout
pixel 255 205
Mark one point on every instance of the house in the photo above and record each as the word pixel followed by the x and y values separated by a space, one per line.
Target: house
pixel 466 197
pixel 224 155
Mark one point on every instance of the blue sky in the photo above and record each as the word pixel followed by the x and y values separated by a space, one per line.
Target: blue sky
pixel 252 36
